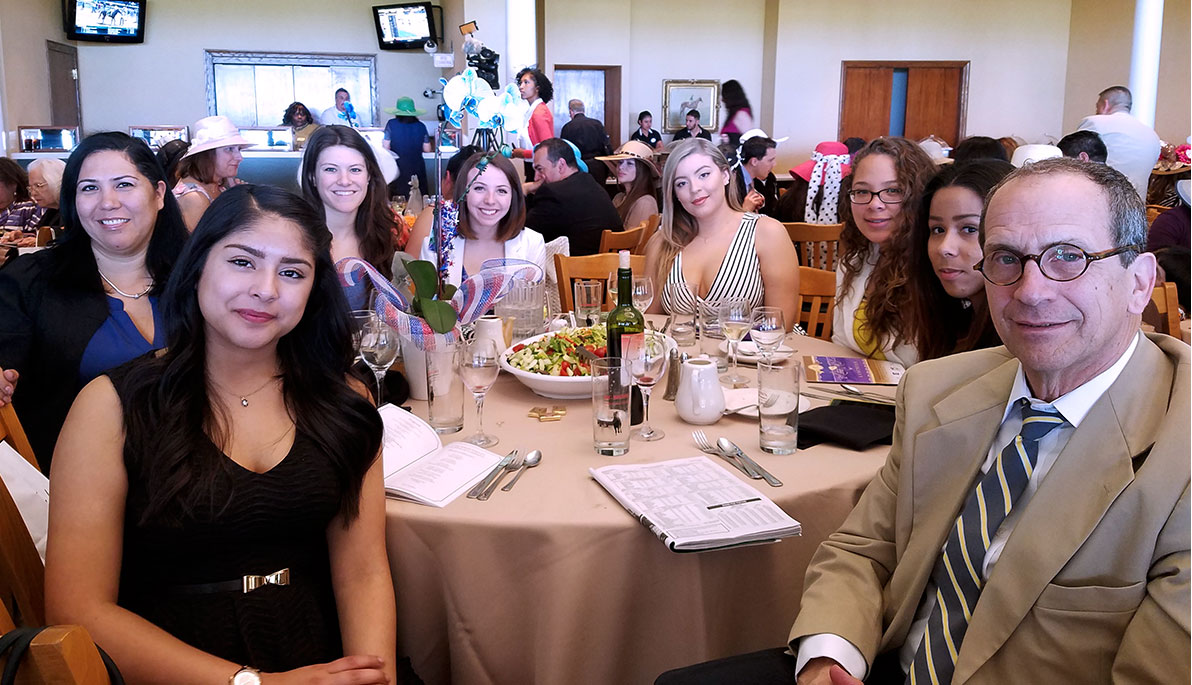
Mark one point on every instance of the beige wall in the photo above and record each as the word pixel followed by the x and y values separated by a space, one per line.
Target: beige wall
pixel 25 25
pixel 1099 57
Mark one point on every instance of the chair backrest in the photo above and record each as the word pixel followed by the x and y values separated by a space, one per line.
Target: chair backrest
pixel 1166 301
pixel 614 241
pixel 589 267
pixel 1153 211
pixel 22 575
pixel 59 655
pixel 817 300
pixel 817 244
pixel 650 228
pixel 10 430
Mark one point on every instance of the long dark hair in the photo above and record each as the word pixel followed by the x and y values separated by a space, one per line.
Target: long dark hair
pixel 169 421
pixel 76 261
pixel 642 185
pixel 11 172
pixel 734 97
pixel 941 324
pixel 374 218
pixel 546 91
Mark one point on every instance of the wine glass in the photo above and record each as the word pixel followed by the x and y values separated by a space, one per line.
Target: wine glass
pixel 769 330
pixel 360 317
pixel 736 318
pixel 643 293
pixel 612 288
pixel 378 348
pixel 647 366
pixel 478 369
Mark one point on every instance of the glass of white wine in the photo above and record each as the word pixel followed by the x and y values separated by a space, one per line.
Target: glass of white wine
pixel 378 348
pixel 643 293
pixel 769 330
pixel 478 368
pixel 736 318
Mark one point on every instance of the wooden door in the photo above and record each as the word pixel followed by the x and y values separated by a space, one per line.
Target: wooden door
pixel 64 84
pixel 936 99
pixel 865 92
pixel 601 102
pixel 934 103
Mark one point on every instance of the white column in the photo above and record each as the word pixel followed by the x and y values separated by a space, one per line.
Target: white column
pixel 1144 58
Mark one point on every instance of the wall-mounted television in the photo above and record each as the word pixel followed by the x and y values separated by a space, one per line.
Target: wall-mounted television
pixel 105 21
pixel 404 26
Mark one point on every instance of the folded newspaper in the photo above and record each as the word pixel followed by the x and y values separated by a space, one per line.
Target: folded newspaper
pixel 695 504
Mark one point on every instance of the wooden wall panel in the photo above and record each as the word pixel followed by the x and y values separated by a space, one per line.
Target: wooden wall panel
pixel 865 101
pixel 935 103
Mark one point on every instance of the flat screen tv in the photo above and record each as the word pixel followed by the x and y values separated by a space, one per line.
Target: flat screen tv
pixel 105 21
pixel 405 26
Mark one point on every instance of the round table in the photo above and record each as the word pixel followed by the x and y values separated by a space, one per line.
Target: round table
pixel 554 582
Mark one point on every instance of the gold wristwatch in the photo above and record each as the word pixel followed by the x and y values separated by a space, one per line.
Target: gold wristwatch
pixel 247 675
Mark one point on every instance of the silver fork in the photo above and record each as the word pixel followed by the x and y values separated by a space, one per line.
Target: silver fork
pixel 496 470
pixel 509 468
pixel 701 441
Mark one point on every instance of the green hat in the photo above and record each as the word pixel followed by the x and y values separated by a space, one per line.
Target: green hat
pixel 405 108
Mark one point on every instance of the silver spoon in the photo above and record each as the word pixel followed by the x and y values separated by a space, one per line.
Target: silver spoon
pixel 854 390
pixel 532 460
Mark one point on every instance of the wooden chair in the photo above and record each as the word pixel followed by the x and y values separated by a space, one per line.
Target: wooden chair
pixel 63 655
pixel 614 241
pixel 650 228
pixel 1164 310
pixel 817 244
pixel 816 302
pixel 10 430
pixel 1153 211
pixel 589 267
pixel 22 576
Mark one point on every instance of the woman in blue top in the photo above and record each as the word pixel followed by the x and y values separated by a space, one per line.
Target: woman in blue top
pixel 88 304
pixel 407 138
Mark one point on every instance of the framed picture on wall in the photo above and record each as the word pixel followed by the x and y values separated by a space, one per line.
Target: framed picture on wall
pixel 678 97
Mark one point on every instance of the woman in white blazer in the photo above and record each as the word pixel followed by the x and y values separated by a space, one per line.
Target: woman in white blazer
pixel 492 214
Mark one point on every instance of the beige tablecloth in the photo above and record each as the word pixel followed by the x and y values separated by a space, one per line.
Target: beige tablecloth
pixel 555 583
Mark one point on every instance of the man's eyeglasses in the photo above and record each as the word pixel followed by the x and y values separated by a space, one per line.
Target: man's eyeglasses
pixel 890 196
pixel 1062 262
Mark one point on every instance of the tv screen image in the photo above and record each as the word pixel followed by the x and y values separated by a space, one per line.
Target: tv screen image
pixel 107 17
pixel 403 26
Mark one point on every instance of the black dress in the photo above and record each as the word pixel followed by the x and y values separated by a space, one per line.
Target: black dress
pixel 171 575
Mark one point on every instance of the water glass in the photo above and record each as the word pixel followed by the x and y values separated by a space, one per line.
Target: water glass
pixel 711 337
pixel 769 330
pixel 378 348
pixel 683 331
pixel 778 405
pixel 589 300
pixel 643 293
pixel 478 368
pixel 444 390
pixel 610 406
pixel 525 305
pixel 360 317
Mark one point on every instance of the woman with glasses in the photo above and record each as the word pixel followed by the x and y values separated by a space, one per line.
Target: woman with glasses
pixel 18 212
pixel 948 293
pixel 45 186
pixel 873 291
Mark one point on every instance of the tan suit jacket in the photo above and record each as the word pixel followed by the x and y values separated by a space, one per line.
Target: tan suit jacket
pixel 1093 584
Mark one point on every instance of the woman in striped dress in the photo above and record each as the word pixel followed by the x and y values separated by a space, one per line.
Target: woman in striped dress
pixel 706 249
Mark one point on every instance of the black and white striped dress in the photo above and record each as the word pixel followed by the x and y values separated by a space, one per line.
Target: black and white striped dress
pixel 740 275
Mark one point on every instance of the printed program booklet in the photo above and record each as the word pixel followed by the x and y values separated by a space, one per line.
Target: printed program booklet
pixel 695 504
pixel 419 468
pixel 820 369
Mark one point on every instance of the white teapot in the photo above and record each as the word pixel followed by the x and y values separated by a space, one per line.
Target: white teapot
pixel 700 399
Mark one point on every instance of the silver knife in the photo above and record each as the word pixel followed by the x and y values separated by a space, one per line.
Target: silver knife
pixel 499 468
pixel 774 482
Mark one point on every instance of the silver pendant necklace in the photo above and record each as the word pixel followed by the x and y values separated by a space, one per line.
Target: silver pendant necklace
pixel 131 296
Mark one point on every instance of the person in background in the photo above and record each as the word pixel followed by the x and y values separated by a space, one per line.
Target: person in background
pixel 407 138
pixel 814 195
pixel 1174 265
pixel 1086 146
pixel 299 118
pixel 209 166
pixel 342 180
pixel 1133 146
pixel 707 249
pixel 978 147
pixel 754 177
pixel 342 112
pixel 170 154
pixel 589 136
pixel 89 303
pixel 634 168
pixel 950 312
pixel 568 202
pixel 872 272
pixel 854 144
pixel 243 449
pixel 738 117
pixel 18 212
pixel 45 188
pixel 691 128
pixel 536 89
pixel 426 220
pixel 1174 226
pixel 492 213
pixel 645 133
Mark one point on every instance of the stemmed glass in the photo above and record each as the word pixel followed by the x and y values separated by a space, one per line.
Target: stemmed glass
pixel 378 348
pixel 478 369
pixel 736 318
pixel 769 330
pixel 643 293
pixel 612 288
pixel 360 317
pixel 647 367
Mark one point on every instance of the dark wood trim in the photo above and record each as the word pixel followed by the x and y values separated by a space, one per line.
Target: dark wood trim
pixel 904 64
pixel 962 65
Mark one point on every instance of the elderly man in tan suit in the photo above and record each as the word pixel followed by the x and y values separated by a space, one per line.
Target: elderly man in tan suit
pixel 1031 524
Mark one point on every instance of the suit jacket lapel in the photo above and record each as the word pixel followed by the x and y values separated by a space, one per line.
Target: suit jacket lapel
pixel 1088 475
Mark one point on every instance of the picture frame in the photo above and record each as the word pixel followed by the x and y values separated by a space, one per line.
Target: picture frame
pixel 48 138
pixel 679 96
pixel 156 136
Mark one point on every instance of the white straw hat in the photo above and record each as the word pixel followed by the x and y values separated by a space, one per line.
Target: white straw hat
pixel 214 132
pixel 1027 154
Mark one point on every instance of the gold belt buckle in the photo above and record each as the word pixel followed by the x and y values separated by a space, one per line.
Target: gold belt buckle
pixel 251 583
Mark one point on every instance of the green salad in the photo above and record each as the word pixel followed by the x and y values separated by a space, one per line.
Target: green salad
pixel 556 354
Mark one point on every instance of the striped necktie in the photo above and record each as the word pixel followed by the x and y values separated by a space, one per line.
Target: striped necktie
pixel 957 574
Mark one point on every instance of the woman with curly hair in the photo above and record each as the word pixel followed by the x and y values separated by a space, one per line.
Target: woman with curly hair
pixel 873 291
pixel 299 118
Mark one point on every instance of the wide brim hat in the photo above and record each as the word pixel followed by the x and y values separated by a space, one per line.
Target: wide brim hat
pixel 405 108
pixel 759 133
pixel 936 152
pixel 826 148
pixel 215 132
pixel 1026 154
pixel 634 149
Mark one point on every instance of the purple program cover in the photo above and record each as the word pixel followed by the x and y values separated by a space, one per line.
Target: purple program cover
pixel 824 369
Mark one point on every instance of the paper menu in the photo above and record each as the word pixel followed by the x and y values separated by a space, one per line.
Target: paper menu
pixel 822 369
pixel 419 468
